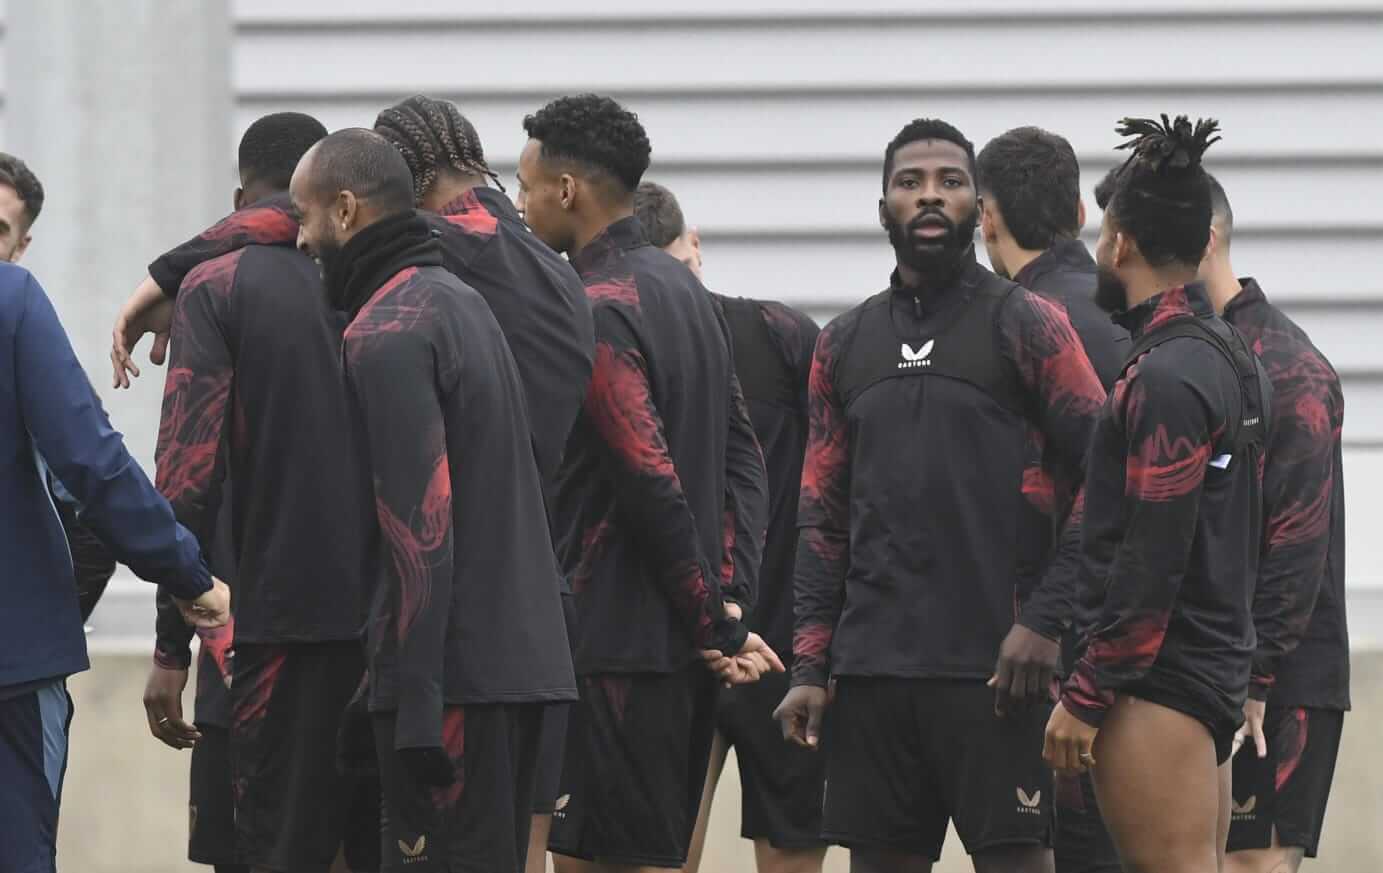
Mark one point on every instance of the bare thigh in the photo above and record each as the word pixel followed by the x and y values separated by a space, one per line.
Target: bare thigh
pixel 720 750
pixel 1159 788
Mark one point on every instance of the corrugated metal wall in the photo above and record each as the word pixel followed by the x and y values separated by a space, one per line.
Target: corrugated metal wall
pixel 769 117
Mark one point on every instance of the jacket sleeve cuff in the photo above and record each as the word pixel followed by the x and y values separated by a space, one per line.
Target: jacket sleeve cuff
pixel 1052 629
pixel 165 277
pixel 195 581
pixel 728 636
pixel 1093 716
pixel 1260 687
pixel 810 674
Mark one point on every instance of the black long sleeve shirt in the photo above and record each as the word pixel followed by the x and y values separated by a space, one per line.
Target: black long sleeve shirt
pixel 934 515
pixel 466 607
pixel 1299 605
pixel 647 490
pixel 1172 527
pixel 773 357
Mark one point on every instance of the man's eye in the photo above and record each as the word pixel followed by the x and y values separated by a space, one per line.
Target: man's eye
pixel 953 183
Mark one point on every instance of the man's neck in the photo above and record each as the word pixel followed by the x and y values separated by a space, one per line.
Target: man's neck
pixel 1150 283
pixel 1014 257
pixel 448 187
pixel 594 224
pixel 1221 284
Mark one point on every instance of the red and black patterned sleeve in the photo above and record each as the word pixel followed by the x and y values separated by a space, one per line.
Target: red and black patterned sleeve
pixel 1065 399
pixel 1298 481
pixel 192 429
pixel 411 470
pixel 823 517
pixel 649 492
pixel 746 505
pixel 1169 440
pixel 268 222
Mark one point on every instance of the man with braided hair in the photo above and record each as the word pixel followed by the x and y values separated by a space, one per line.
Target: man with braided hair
pixel 1174 520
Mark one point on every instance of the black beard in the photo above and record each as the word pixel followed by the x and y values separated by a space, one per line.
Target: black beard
pixel 933 258
pixel 1111 294
pixel 328 255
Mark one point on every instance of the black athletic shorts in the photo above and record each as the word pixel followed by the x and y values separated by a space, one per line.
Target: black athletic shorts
pixel 552 745
pixel 211 802
pixel 781 781
pixel 478 824
pixel 292 802
pixel 1289 788
pixel 1176 693
pixel 638 747
pixel 904 756
pixel 1082 843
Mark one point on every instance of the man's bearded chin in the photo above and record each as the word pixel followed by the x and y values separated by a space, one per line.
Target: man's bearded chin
pixel 328 255
pixel 939 257
pixel 1111 294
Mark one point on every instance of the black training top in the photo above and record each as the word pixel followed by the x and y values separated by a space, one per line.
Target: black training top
pixel 1173 520
pixel 773 357
pixel 662 472
pixel 940 494
pixel 466 606
pixel 1299 606
pixel 254 391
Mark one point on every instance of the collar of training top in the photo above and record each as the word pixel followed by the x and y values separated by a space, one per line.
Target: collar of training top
pixel 621 236
pixel 963 274
pixel 1249 294
pixel 375 255
pixel 480 199
pixel 1063 253
pixel 1187 300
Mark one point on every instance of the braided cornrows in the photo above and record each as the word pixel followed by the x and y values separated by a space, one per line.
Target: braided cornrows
pixel 432 134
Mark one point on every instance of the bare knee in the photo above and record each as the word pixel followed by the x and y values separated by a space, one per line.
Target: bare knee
pixel 888 861
pixel 770 859
pixel 1014 859
pixel 1275 860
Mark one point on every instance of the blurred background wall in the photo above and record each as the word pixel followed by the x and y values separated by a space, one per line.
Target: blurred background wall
pixel 768 118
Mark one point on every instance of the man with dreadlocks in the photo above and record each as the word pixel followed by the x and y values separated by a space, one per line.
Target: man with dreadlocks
pixel 1174 518
pixel 1299 690
pixel 933 407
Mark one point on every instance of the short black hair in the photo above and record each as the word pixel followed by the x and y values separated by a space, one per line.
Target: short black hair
pixel 920 130
pixel 1162 195
pixel 17 175
pixel 595 131
pixel 1220 210
pixel 1104 191
pixel 433 135
pixel 1032 175
pixel 658 211
pixel 365 163
pixel 273 145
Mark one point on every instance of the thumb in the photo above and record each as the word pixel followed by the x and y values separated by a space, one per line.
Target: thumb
pixel 814 716
pixel 1260 741
pixel 159 352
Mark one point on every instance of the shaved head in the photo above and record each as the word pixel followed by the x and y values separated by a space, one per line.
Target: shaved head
pixel 364 163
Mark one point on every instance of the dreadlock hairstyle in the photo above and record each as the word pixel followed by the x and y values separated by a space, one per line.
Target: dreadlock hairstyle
pixel 433 135
pixel 1162 197
pixel 920 130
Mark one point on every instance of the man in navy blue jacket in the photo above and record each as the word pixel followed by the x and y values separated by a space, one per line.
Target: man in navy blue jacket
pixel 51 422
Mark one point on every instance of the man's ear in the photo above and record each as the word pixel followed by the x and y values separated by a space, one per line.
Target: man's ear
pixel 1080 215
pixel 238 200
pixel 1124 248
pixel 989 222
pixel 347 210
pixel 566 191
pixel 883 214
pixel 21 248
pixel 694 238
